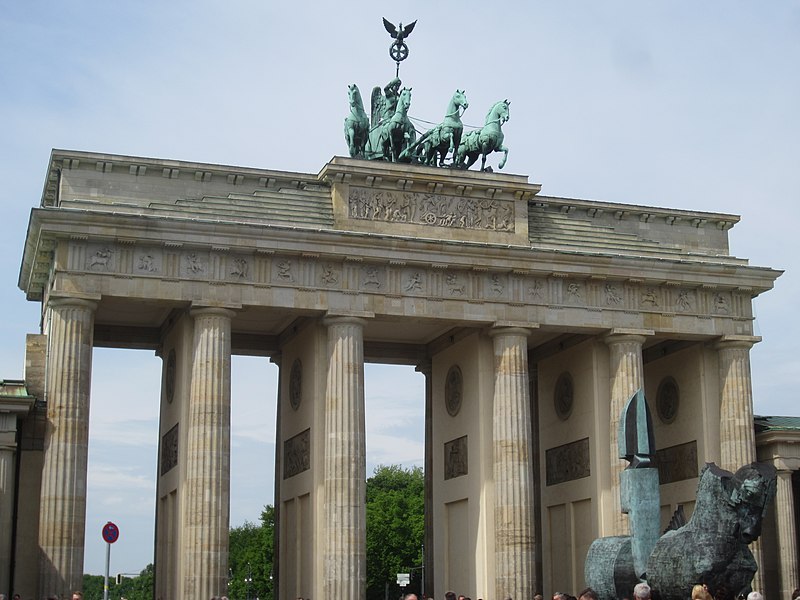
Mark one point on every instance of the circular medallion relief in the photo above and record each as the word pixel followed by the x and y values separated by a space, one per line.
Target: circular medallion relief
pixel 169 383
pixel 564 396
pixel 453 390
pixel 295 384
pixel 667 400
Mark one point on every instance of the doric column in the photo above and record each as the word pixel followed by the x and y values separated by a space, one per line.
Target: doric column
pixel 737 435
pixel 513 495
pixel 627 376
pixel 427 540
pixel 345 560
pixel 62 507
pixel 206 490
pixel 737 438
pixel 786 534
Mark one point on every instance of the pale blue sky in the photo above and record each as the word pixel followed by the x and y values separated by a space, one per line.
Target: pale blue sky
pixel 680 104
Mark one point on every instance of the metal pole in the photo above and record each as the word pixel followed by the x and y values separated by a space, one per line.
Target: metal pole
pixel 108 563
pixel 422 583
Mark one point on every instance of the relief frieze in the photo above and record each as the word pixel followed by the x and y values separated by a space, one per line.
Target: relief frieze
pixel 297 454
pixel 456 459
pixel 101 259
pixel 147 262
pixel 169 450
pixel 568 462
pixel 194 264
pixel 677 463
pixel 397 278
pixel 371 278
pixel 239 268
pixel 329 275
pixel 436 210
pixel 612 296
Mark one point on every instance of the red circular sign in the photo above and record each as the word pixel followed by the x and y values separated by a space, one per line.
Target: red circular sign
pixel 110 532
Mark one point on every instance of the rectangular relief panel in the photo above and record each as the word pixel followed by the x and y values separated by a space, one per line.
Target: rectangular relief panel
pixel 677 463
pixel 567 462
pixel 169 450
pixel 456 458
pixel 297 454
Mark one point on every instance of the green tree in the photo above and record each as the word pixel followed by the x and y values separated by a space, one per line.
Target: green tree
pixel 251 556
pixel 395 528
pixel 130 588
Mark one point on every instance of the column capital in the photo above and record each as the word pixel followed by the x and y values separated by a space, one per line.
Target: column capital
pixel 87 302
pixel 503 329
pixel 736 341
pixel 342 319
pixel 623 334
pixel 228 311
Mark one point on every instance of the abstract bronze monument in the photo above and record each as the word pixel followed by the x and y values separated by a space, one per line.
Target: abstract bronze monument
pixel 711 548
pixel 389 134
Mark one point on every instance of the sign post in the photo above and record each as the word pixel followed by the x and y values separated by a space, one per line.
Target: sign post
pixel 110 535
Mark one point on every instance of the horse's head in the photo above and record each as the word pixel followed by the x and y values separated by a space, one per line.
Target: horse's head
pixel 354 96
pixel 404 100
pixel 753 489
pixel 460 99
pixel 499 113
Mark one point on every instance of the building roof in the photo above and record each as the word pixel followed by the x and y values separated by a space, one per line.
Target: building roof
pixel 776 423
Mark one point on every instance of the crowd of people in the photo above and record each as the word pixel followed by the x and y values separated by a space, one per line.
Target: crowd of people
pixel 640 592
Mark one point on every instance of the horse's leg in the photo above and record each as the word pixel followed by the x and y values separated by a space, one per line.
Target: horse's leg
pixel 504 150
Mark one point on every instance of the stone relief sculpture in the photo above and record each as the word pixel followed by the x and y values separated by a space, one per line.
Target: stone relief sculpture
pixel 285 270
pixel 147 263
pixel 194 263
pixel 712 548
pixel 612 297
pixel 456 458
pixel 683 303
pixel 101 259
pixel 371 277
pixel 430 209
pixel 239 268
pixel 329 274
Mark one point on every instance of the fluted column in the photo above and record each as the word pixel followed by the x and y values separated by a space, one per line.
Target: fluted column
pixel 627 376
pixel 206 490
pixel 427 540
pixel 8 451
pixel 737 435
pixel 737 438
pixel 513 495
pixel 62 505
pixel 345 560
pixel 787 536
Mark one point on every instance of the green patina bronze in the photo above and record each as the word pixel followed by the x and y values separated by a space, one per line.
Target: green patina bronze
pixel 711 548
pixel 356 124
pixel 485 140
pixel 438 142
pixel 388 133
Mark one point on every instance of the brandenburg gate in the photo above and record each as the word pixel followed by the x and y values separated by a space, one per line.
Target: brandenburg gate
pixel 533 318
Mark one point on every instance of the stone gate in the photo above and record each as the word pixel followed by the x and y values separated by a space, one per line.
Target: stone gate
pixel 533 318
